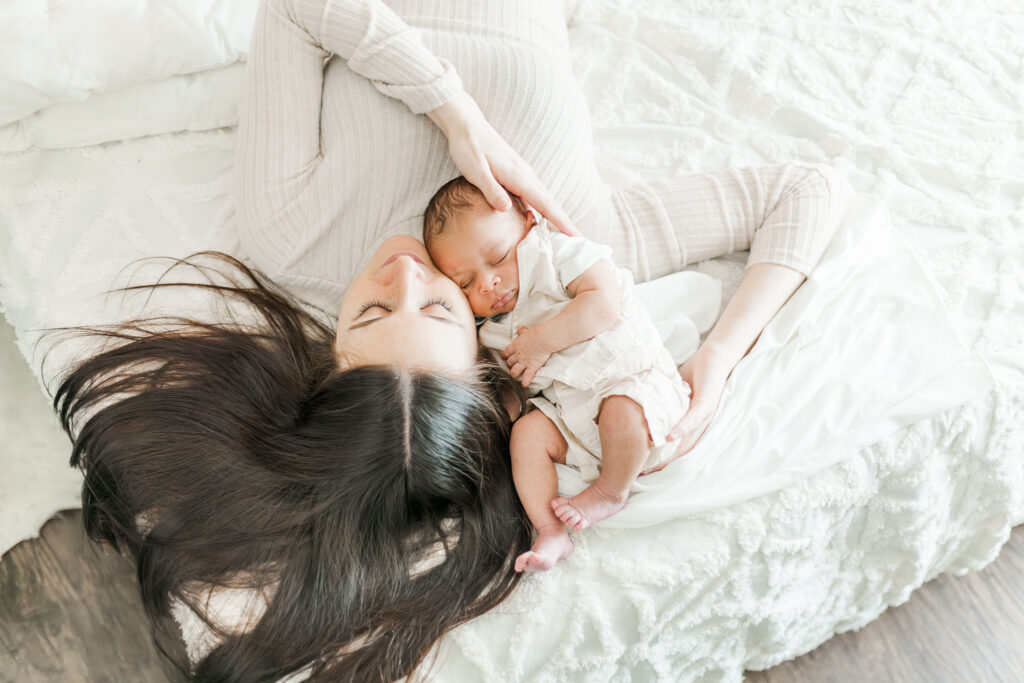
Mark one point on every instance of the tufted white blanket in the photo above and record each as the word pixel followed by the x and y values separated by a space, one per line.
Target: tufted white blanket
pixel 920 103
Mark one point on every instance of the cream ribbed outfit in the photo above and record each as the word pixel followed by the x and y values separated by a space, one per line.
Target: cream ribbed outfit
pixel 627 359
pixel 334 155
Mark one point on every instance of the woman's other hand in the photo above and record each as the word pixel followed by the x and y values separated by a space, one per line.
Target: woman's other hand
pixel 705 372
pixel 487 161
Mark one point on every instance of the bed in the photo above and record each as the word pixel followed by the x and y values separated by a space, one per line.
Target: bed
pixel 919 104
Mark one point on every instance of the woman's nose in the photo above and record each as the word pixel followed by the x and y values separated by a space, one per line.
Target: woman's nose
pixel 403 274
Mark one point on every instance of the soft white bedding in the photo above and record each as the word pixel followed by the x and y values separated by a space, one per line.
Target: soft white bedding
pixel 920 103
pixel 58 52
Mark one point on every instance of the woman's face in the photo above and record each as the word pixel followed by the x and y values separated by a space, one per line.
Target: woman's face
pixel 401 310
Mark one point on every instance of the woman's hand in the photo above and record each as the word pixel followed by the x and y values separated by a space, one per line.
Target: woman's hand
pixel 487 161
pixel 706 372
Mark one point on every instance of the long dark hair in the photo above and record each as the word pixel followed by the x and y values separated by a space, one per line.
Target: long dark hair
pixel 373 507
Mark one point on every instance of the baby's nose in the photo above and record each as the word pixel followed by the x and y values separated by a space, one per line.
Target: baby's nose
pixel 487 284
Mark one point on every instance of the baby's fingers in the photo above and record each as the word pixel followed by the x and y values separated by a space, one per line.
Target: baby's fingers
pixel 516 370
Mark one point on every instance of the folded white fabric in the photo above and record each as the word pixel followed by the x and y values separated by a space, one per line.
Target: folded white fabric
pixel 193 102
pixel 683 306
pixel 66 51
pixel 863 348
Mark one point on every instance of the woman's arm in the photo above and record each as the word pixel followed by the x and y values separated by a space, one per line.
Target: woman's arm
pixel 786 219
pixel 292 40
pixel 763 291
pixel 279 130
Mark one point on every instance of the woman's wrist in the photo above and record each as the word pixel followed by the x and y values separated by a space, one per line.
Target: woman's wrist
pixel 456 115
pixel 723 356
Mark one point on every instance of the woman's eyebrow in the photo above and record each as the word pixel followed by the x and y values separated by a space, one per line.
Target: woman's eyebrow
pixel 447 321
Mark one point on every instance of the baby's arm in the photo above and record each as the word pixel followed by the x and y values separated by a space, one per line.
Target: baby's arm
pixel 595 307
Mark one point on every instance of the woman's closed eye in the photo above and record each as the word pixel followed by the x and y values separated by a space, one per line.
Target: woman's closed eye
pixel 373 304
pixel 436 302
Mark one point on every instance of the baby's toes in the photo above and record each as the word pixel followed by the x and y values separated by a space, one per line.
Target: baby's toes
pixel 569 516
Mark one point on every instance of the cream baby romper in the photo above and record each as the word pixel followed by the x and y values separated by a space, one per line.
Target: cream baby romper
pixel 627 360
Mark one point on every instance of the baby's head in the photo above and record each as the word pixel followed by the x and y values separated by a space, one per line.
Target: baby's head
pixel 475 245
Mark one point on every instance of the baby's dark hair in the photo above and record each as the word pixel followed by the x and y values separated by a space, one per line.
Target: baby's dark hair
pixel 454 196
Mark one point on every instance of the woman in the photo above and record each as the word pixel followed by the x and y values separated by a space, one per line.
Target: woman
pixel 353 478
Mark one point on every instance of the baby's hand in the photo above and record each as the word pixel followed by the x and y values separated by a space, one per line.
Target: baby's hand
pixel 527 354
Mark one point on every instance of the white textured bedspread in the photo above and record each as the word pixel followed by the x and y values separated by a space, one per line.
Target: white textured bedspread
pixel 919 102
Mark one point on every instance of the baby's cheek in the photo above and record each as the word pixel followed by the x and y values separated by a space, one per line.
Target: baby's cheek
pixel 480 307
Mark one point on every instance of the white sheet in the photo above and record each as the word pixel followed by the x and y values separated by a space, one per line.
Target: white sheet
pixel 863 348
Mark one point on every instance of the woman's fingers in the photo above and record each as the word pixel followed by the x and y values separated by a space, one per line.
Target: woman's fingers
pixel 490 163
pixel 495 194
pixel 696 416
pixel 479 173
pixel 522 181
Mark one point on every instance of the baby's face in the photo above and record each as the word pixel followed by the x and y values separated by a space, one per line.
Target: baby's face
pixel 477 250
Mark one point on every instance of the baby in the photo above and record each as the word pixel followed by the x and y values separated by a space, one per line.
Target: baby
pixel 568 326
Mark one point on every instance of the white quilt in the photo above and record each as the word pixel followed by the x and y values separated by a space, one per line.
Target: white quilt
pixel 887 469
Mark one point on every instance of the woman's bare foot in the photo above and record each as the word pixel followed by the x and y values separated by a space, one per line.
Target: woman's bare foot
pixel 552 544
pixel 588 507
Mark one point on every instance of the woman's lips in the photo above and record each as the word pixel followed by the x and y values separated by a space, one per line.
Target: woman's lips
pixel 391 258
pixel 503 300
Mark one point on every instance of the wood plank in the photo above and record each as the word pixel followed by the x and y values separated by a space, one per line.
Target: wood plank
pixel 967 629
pixel 71 612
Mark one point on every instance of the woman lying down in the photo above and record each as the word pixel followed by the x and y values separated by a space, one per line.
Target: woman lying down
pixel 331 491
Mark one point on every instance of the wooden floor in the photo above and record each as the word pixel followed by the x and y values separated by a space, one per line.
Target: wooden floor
pixel 70 613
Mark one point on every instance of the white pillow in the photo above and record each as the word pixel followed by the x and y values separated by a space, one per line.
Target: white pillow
pixel 53 52
pixel 194 102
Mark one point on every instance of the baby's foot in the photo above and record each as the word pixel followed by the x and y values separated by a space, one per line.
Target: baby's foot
pixel 588 507
pixel 552 544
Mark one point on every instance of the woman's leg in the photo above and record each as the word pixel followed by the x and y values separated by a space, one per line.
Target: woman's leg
pixel 784 215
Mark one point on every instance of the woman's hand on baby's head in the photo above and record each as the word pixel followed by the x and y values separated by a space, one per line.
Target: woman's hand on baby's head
pixel 527 354
pixel 487 161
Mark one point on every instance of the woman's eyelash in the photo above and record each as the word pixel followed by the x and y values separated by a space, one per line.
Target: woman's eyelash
pixel 440 302
pixel 373 304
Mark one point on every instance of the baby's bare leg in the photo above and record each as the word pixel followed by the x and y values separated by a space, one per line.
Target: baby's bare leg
pixel 624 449
pixel 536 446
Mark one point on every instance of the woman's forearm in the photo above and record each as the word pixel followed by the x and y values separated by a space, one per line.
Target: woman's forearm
pixel 377 44
pixel 764 289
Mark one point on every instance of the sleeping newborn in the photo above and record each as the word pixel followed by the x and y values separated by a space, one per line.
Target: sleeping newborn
pixel 568 326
